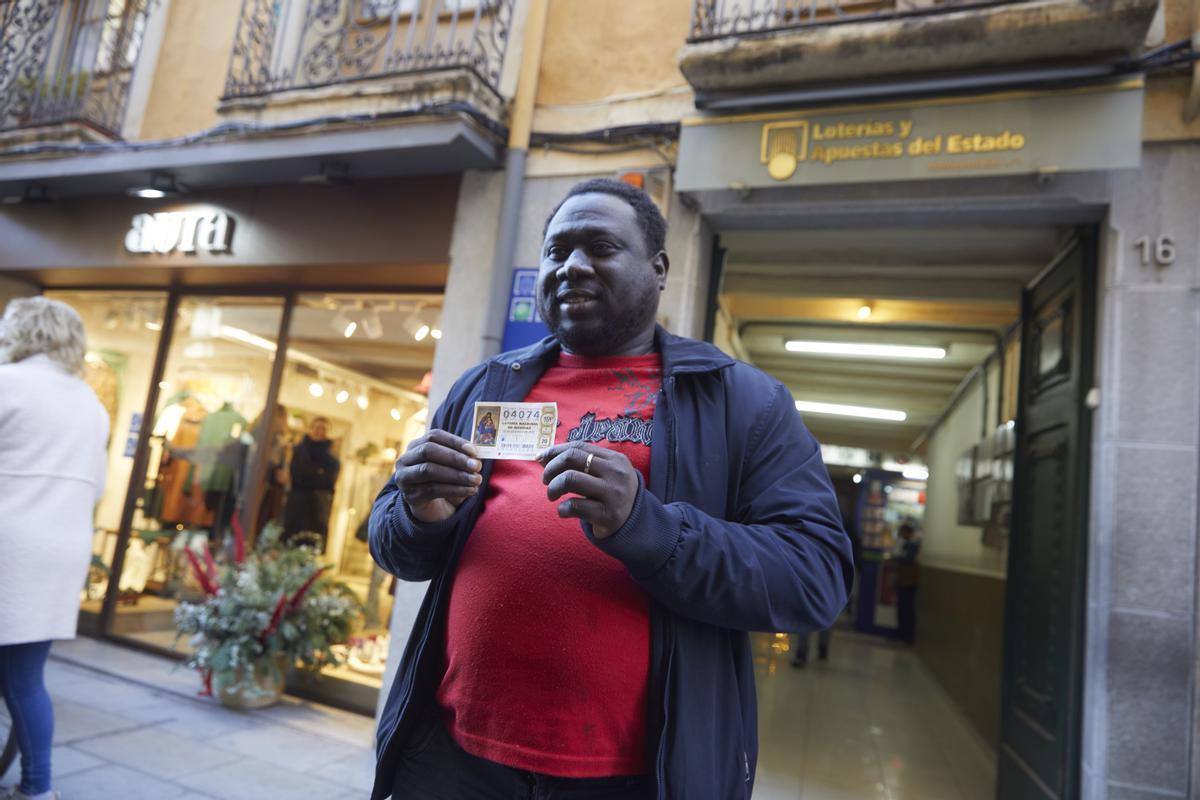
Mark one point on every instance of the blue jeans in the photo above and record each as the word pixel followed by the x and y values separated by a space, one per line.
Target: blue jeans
pixel 436 768
pixel 22 667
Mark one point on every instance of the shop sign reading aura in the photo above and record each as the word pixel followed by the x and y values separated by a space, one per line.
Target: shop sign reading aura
pixel 180 232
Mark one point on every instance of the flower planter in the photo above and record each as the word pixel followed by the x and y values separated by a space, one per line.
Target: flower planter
pixel 261 688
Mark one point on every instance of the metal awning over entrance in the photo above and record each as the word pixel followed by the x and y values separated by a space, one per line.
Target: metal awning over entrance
pixel 242 157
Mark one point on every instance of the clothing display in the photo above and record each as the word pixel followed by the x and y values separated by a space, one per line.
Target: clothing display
pixel 53 467
pixel 178 496
pixel 220 463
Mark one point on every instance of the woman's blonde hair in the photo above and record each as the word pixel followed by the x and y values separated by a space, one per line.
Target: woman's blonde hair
pixel 34 326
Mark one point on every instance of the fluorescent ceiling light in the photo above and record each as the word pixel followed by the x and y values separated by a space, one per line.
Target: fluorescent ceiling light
pixel 915 473
pixel 245 337
pixel 865 350
pixel 861 412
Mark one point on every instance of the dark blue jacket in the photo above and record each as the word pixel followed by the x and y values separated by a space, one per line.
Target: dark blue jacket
pixel 738 531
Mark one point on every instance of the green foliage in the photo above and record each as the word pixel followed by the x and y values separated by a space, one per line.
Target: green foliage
pixel 233 628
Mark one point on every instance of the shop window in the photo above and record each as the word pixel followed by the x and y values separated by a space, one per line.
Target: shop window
pixel 122 333
pixel 202 441
pixel 351 399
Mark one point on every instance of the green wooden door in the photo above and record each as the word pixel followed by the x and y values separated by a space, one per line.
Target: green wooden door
pixel 1044 607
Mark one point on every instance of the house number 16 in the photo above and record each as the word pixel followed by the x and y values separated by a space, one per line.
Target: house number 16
pixel 1160 251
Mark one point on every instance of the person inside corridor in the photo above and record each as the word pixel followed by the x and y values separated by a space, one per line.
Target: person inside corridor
pixel 907 577
pixel 585 632
pixel 800 658
pixel 53 437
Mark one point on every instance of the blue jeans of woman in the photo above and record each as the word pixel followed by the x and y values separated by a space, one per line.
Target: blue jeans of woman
pixel 22 670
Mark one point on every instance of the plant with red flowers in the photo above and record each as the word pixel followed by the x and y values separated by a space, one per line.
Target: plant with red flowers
pixel 264 610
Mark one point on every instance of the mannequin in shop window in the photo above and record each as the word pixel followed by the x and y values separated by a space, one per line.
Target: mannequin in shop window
pixel 221 453
pixel 178 496
pixel 314 473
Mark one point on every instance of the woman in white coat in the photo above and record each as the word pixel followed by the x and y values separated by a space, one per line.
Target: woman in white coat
pixel 53 434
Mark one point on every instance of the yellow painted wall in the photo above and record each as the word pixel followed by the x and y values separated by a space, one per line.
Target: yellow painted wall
pixel 192 65
pixel 598 48
pixel 1162 116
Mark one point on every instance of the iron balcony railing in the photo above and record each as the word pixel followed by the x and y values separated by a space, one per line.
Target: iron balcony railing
pixel 304 44
pixel 68 61
pixel 715 19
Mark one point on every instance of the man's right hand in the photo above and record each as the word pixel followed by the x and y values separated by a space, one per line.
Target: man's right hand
pixel 437 473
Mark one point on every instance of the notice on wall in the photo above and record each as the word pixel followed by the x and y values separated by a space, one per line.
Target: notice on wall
pixel 523 325
pixel 135 427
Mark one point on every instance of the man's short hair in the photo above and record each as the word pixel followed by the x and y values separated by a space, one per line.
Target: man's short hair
pixel 649 218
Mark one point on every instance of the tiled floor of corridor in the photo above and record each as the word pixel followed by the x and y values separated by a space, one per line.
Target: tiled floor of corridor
pixel 868 724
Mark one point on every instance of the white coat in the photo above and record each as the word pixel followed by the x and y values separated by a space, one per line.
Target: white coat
pixel 53 434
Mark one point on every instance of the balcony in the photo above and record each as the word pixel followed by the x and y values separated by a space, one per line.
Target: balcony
pixel 66 68
pixel 745 47
pixel 309 59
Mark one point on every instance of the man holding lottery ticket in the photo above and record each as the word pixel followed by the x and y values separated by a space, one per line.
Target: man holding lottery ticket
pixel 603 517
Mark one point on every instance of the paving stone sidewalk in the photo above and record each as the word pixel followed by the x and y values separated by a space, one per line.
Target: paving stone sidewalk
pixel 128 727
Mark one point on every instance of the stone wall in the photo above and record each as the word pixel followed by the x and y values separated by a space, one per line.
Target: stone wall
pixel 1141 660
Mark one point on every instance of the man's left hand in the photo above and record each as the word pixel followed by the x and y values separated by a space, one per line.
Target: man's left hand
pixel 607 487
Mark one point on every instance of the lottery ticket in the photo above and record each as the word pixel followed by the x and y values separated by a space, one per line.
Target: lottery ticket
pixel 513 430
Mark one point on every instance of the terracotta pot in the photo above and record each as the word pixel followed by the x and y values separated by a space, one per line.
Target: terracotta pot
pixel 264 688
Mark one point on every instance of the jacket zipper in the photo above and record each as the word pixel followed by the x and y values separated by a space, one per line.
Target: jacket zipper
pixel 433 609
pixel 668 623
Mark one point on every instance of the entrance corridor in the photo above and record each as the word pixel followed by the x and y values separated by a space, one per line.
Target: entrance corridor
pixel 868 724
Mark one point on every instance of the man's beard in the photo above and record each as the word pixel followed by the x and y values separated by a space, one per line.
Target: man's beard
pixel 601 337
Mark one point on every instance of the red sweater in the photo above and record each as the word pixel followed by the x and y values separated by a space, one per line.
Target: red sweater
pixel 547 637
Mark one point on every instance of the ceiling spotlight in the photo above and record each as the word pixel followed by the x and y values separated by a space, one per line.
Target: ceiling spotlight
pixel 857 477
pixel 161 185
pixel 362 402
pixel 343 324
pixel 372 325
pixel 395 412
pixel 316 389
pixel 329 173
pixel 416 328
pixel 861 412
pixel 436 333
pixel 33 193
pixel 857 350
pixel 864 311
pixel 342 396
